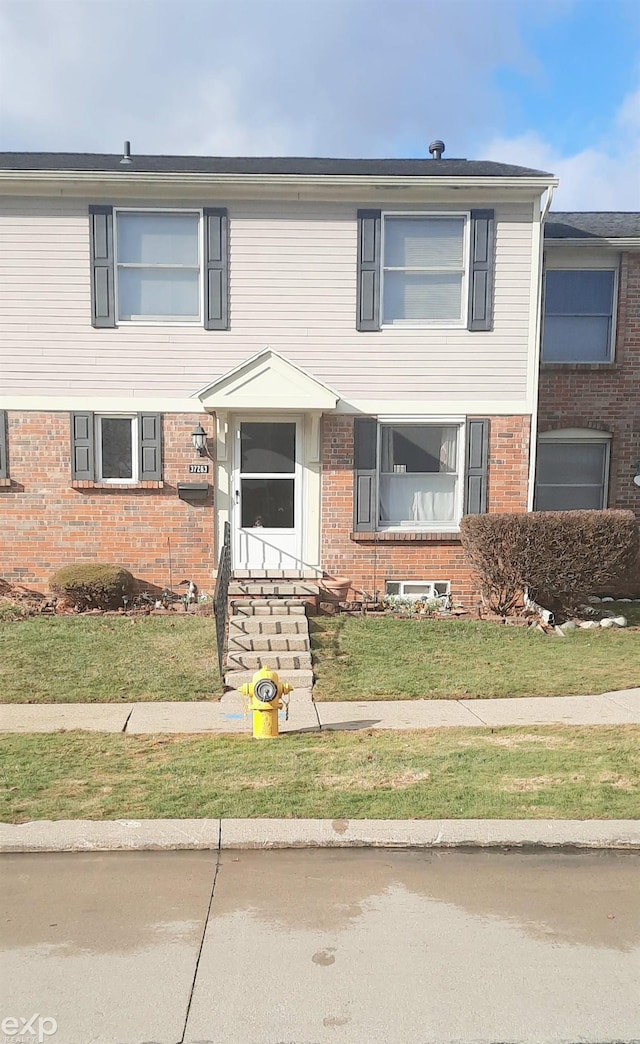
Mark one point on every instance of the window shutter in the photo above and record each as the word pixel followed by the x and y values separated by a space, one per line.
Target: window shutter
pixel 365 495
pixel 82 451
pixel 477 461
pixel 4 463
pixel 216 268
pixel 150 447
pixel 103 306
pixel 481 270
pixel 369 261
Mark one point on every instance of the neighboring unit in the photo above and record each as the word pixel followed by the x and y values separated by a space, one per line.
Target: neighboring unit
pixel 339 357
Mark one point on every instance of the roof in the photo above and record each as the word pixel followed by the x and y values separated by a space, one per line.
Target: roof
pixel 592 224
pixel 275 165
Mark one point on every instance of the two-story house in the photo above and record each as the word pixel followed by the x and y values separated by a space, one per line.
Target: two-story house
pixel 358 341
pixel 589 396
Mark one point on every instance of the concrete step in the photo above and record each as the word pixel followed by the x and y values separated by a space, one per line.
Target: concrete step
pixel 277 574
pixel 283 661
pixel 263 607
pixel 302 679
pixel 273 589
pixel 285 625
pixel 266 643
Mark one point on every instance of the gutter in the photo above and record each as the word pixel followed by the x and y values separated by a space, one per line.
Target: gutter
pixel 129 177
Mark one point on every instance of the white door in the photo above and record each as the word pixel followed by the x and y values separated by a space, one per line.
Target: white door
pixel 267 494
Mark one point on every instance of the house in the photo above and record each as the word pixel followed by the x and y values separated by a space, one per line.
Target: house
pixel 589 393
pixel 337 357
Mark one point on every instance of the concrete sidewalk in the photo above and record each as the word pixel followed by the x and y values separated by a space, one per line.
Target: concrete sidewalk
pixel 227 716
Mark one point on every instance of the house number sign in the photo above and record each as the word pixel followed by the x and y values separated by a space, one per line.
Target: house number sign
pixel 198 469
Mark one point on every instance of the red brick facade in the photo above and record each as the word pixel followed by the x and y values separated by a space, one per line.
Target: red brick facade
pixel 369 559
pixel 46 522
pixel 605 397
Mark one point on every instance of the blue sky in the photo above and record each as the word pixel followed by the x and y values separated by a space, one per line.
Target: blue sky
pixel 547 83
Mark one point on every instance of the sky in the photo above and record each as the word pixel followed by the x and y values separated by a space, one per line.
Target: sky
pixel 551 84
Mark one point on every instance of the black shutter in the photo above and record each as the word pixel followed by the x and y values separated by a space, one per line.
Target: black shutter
pixel 481 270
pixel 150 447
pixel 365 493
pixel 82 450
pixel 103 307
pixel 369 260
pixel 476 471
pixel 216 269
pixel 4 463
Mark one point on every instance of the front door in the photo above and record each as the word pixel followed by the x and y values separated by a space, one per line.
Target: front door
pixel 267 494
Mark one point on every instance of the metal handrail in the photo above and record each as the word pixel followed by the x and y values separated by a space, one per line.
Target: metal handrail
pixel 220 597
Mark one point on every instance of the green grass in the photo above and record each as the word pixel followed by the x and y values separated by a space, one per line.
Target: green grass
pixel 108 659
pixel 382 658
pixel 550 772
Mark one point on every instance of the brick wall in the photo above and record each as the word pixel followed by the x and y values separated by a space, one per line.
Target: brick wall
pixel 370 559
pixel 46 523
pixel 605 397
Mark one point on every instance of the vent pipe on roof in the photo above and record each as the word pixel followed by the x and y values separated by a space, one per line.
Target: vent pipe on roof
pixel 436 149
pixel 126 157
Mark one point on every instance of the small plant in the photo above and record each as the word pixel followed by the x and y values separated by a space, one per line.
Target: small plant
pixel 94 586
pixel 414 604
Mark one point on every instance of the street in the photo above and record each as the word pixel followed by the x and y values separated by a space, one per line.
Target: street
pixel 307 946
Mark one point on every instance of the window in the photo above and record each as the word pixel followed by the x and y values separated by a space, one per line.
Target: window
pixel 117 449
pixel 418 475
pixel 158 266
pixel 578 315
pixel 418 589
pixel 424 271
pixel 572 471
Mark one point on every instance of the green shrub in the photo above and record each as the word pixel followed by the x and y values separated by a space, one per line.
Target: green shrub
pixel 560 557
pixel 93 586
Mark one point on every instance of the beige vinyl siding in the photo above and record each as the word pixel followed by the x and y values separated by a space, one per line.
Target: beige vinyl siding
pixel 293 287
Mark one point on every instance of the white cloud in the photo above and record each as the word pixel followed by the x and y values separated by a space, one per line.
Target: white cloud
pixel 330 77
pixel 603 177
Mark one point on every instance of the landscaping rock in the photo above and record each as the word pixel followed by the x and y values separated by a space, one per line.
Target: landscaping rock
pixel 608 599
pixel 569 625
pixel 589 625
pixel 620 621
pixel 607 622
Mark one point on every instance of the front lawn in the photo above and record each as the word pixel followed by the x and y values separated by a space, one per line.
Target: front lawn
pixel 383 658
pixel 108 659
pixel 511 773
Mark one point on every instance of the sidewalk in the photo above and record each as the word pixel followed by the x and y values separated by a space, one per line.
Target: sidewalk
pixel 227 716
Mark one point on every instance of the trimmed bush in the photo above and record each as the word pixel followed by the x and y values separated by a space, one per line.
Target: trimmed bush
pixel 560 557
pixel 93 586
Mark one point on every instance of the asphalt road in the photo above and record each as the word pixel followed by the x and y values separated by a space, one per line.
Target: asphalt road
pixel 307 947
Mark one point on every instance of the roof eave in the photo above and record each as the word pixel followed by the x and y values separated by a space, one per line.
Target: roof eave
pixel 621 242
pixel 167 178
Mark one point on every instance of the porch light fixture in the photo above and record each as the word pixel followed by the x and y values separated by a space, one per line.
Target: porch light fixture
pixel 199 439
pixel 636 477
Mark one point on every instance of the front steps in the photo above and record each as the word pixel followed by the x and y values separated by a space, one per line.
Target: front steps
pixel 268 627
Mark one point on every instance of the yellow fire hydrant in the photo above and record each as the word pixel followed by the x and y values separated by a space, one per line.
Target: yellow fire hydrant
pixel 265 692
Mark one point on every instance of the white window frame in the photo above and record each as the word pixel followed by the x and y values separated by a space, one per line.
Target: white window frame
pixel 117 265
pixel 407 585
pixel 423 324
pixel 614 313
pixel 133 481
pixel 438 422
pixel 575 436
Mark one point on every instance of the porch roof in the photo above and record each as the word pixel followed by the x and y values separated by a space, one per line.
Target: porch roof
pixel 268 381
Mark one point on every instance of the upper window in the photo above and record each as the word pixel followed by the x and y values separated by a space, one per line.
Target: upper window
pixel 158 265
pixel 424 270
pixel 572 471
pixel 418 475
pixel 578 315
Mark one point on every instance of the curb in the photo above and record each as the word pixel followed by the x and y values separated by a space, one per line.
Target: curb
pixel 128 835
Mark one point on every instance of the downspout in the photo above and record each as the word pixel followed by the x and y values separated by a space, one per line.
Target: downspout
pixel 538 350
